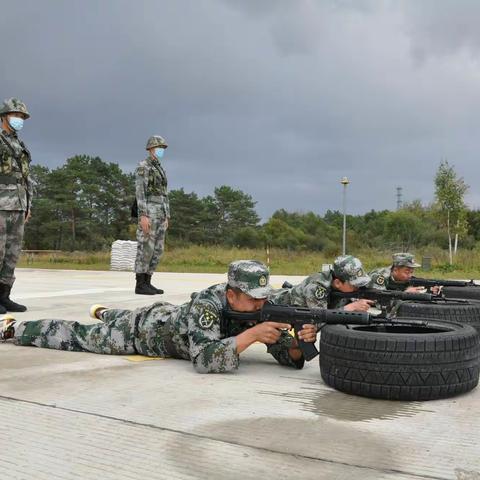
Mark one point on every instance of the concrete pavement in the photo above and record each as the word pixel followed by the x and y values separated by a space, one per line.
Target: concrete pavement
pixel 67 415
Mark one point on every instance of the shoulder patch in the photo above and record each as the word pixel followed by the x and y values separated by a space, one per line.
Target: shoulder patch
pixel 320 293
pixel 380 280
pixel 141 170
pixel 208 316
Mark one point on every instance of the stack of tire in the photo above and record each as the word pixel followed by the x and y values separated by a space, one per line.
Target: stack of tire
pixel 432 351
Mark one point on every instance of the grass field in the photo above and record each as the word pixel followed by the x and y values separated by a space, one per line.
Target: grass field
pixel 211 259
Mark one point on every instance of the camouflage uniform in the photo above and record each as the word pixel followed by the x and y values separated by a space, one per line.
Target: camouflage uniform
pixel 152 201
pixel 315 290
pixel 15 193
pixel 196 331
pixel 382 278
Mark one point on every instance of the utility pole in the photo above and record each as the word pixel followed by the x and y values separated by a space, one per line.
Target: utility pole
pixel 399 198
pixel 344 181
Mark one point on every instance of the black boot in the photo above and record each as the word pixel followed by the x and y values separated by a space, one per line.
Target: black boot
pixel 158 291
pixel 6 303
pixel 142 287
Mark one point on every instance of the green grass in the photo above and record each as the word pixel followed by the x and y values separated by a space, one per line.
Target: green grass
pixel 211 259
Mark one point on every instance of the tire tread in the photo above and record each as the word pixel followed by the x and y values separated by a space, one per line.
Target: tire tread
pixel 425 367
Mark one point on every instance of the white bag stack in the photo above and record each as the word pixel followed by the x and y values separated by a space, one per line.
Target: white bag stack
pixel 123 255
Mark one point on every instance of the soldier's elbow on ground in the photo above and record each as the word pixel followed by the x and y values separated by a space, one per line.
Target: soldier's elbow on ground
pixel 201 367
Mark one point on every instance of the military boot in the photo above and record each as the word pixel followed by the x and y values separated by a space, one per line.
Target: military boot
pixel 142 287
pixel 5 301
pixel 158 291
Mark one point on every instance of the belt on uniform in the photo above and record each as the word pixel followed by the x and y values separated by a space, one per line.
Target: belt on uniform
pixel 10 180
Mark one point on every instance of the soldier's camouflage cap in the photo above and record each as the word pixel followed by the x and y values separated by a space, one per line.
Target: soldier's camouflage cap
pixel 156 141
pixel 404 260
pixel 251 277
pixel 14 105
pixel 348 268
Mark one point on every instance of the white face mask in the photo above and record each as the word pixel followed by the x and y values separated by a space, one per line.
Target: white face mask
pixel 16 123
pixel 159 152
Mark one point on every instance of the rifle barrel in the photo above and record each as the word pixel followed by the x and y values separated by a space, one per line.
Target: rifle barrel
pixel 432 282
pixel 379 295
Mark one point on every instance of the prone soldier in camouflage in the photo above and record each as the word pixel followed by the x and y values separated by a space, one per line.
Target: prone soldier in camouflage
pixel 197 330
pixel 153 214
pixel 397 276
pixel 347 275
pixel 15 196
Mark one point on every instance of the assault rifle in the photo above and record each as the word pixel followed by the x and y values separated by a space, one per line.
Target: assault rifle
pixel 383 298
pixel 386 297
pixel 431 282
pixel 299 316
pixel 386 300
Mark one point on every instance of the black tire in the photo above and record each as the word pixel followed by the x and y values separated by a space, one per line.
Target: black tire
pixel 462 311
pixel 401 362
pixel 462 292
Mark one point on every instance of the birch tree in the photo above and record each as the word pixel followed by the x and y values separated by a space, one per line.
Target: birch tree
pixel 449 194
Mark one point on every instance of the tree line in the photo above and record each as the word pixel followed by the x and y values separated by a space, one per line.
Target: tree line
pixel 85 205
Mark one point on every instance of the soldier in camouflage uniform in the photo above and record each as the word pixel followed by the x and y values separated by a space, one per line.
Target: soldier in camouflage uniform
pixel 15 196
pixel 197 330
pixel 347 275
pixel 396 276
pixel 153 215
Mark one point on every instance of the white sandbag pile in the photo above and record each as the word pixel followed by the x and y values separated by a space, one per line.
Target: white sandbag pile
pixel 123 255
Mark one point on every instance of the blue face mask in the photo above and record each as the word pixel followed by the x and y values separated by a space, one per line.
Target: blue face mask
pixel 16 123
pixel 159 152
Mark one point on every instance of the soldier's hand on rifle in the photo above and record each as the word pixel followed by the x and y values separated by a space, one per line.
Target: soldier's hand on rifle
pixel 361 305
pixel 436 290
pixel 308 333
pixel 145 224
pixel 415 290
pixel 268 332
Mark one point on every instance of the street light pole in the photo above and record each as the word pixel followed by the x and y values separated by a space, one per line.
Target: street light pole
pixel 344 181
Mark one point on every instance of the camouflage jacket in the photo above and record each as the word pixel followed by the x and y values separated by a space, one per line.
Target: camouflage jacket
pixel 313 292
pixel 382 280
pixel 197 331
pixel 151 189
pixel 16 187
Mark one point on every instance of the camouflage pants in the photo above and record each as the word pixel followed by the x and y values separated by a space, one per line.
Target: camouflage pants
pixel 11 235
pixel 150 245
pixel 113 336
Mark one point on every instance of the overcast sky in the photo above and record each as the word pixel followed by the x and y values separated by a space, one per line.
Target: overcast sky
pixel 280 98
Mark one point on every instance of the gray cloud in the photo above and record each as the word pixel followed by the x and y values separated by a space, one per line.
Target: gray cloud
pixel 280 98
pixel 446 27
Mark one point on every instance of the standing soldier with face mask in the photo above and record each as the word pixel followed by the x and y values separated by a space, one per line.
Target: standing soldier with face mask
pixel 153 215
pixel 15 196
